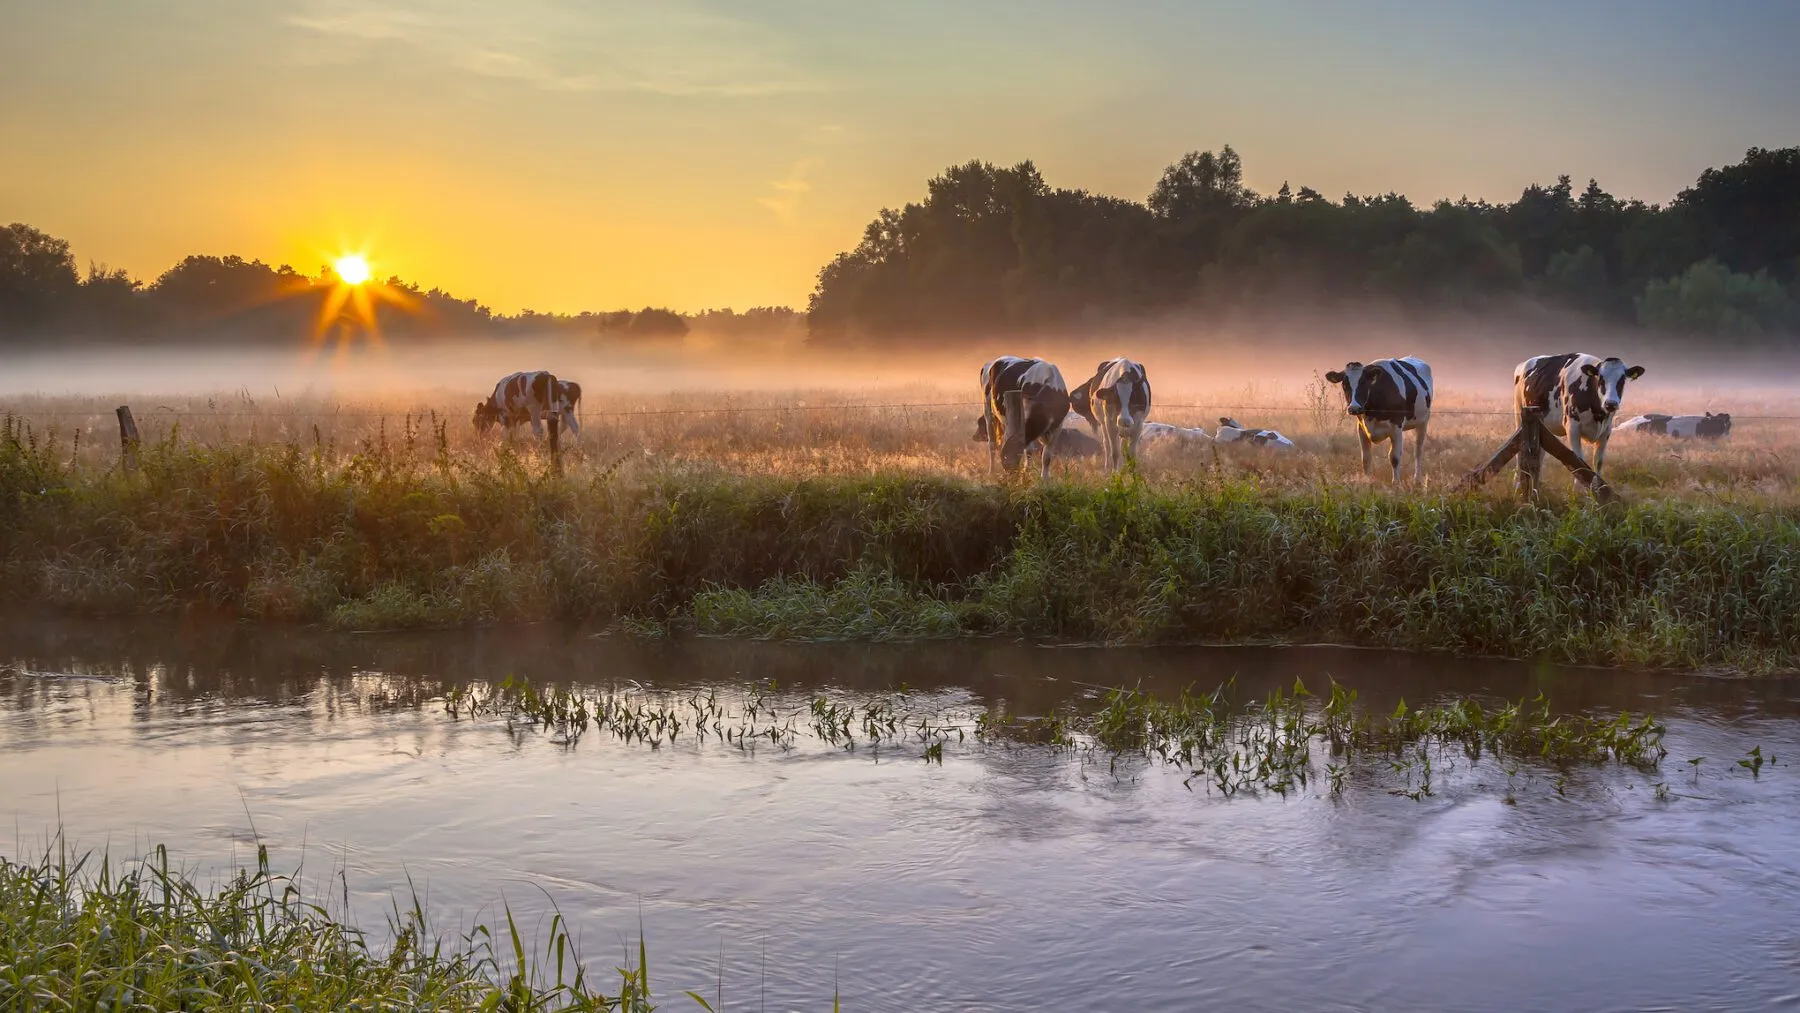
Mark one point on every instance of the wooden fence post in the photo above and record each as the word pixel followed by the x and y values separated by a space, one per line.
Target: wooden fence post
pixel 1531 454
pixel 556 443
pixel 128 438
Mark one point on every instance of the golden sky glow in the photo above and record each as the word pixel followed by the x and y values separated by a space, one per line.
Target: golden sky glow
pixel 592 155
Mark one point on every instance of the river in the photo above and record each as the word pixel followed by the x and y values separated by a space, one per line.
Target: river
pixel 1008 877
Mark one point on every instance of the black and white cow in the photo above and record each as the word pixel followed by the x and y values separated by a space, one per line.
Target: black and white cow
pixel 1681 427
pixel 1576 395
pixel 1025 402
pixel 1233 431
pixel 1388 398
pixel 1115 401
pixel 530 396
pixel 1163 434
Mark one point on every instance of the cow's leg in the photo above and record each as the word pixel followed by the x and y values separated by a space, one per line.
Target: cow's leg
pixel 537 421
pixel 993 434
pixel 1600 447
pixel 1419 456
pixel 1368 447
pixel 1113 436
pixel 1044 467
pixel 1130 446
pixel 1399 444
pixel 571 424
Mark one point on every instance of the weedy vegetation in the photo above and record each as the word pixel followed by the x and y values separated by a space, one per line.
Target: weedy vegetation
pixel 83 933
pixel 797 523
pixel 1285 743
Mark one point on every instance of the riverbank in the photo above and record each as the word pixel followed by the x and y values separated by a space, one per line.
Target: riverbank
pixel 388 537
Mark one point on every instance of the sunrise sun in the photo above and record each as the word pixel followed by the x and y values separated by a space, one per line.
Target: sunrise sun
pixel 352 268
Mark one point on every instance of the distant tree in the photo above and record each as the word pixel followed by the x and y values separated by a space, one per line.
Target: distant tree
pixel 651 322
pixel 1709 298
pixel 1578 278
pixel 37 277
pixel 1748 214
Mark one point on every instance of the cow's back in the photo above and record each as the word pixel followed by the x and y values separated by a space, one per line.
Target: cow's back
pixel 1538 382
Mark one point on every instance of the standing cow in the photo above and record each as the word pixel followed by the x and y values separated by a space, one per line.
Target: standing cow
pixel 1388 398
pixel 1575 395
pixel 1025 402
pixel 530 396
pixel 1115 401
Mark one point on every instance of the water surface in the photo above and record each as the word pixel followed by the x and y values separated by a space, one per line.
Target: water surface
pixel 1006 878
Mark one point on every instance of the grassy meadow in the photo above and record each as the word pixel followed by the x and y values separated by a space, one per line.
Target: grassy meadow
pixel 800 514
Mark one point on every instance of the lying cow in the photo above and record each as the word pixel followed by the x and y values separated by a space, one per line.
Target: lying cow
pixel 1233 431
pixel 1681 427
pixel 1388 398
pixel 1025 402
pixel 530 396
pixel 1115 401
pixel 1161 433
pixel 1575 395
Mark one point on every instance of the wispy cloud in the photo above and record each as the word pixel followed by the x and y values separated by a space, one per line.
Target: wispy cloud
pixel 789 192
pixel 665 47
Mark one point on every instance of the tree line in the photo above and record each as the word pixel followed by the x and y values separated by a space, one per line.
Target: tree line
pixel 998 249
pixel 993 249
pixel 45 299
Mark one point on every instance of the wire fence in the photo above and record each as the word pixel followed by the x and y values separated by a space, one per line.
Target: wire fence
pixel 325 412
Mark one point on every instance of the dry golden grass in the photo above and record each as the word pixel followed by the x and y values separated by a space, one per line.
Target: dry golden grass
pixel 925 429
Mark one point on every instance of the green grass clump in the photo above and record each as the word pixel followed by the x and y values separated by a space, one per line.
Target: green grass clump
pixel 85 934
pixel 864 605
pixel 392 535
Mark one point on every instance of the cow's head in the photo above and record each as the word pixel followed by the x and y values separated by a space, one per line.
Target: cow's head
pixel 1012 451
pixel 1081 402
pixel 486 416
pixel 1610 376
pixel 981 430
pixel 1354 380
pixel 1716 425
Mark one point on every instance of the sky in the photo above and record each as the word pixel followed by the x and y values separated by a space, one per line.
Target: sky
pixel 586 154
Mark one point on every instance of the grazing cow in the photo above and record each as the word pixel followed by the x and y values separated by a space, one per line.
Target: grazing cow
pixel 1039 403
pixel 1388 398
pixel 1069 442
pixel 988 426
pixel 1115 401
pixel 1575 395
pixel 1233 431
pixel 1681 427
pixel 531 397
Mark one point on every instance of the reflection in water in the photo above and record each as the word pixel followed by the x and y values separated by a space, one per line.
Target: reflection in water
pixel 1007 878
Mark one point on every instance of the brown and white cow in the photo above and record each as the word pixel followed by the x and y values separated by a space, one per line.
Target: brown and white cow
pixel 530 396
pixel 1025 402
pixel 1115 401
pixel 1388 398
pixel 1576 395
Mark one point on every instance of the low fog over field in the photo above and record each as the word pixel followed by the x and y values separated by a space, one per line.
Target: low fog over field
pixel 1268 363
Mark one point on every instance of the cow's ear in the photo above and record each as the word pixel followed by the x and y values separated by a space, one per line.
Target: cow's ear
pixel 1634 372
pixel 1334 377
pixel 1589 369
